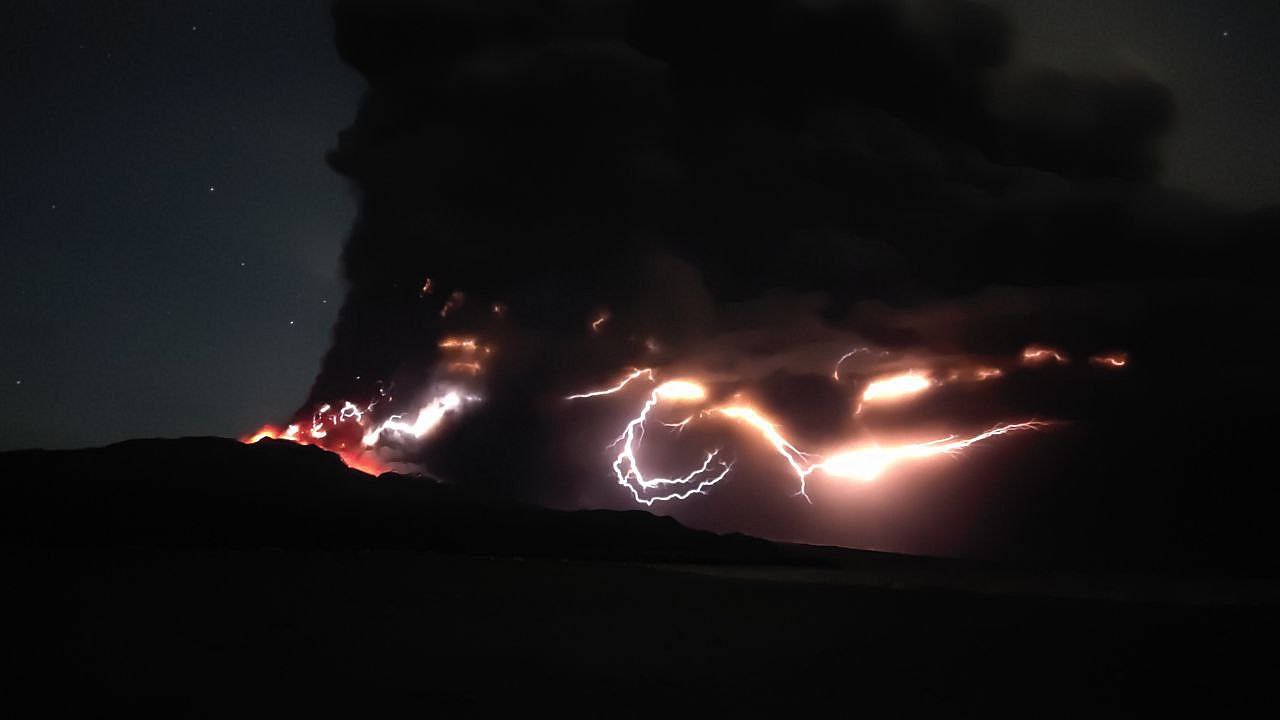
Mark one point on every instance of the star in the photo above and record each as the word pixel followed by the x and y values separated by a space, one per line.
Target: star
pixel 212 188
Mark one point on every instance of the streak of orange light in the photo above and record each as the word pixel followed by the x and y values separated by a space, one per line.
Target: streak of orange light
pixel 1111 360
pixel 1039 354
pixel 868 462
pixel 896 387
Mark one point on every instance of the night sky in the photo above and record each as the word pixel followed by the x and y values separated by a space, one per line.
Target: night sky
pixel 171 231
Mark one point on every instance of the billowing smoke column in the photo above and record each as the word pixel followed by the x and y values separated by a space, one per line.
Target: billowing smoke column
pixel 839 224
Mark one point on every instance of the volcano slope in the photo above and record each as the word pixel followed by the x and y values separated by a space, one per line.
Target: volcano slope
pixel 205 576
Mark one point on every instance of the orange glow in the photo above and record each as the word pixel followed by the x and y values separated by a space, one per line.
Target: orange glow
pixel 680 391
pixel 896 387
pixel 673 405
pixel 799 461
pixel 265 432
pixel 869 462
pixel 1111 360
pixel 364 458
pixel 362 461
pixel 1039 354
pixel 626 466
pixel 467 347
pixel 452 342
pixel 429 418
pixel 866 462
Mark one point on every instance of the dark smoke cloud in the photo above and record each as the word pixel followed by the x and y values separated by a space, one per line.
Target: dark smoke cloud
pixel 755 185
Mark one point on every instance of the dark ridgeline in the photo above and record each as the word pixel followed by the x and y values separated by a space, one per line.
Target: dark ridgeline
pixel 219 493
pixel 201 574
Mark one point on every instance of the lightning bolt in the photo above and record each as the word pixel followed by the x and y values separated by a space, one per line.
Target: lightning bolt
pixel 428 418
pixel 634 375
pixel 871 461
pixel 866 463
pixel 626 467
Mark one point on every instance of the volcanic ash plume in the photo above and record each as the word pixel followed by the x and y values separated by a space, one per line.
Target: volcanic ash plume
pixel 676 244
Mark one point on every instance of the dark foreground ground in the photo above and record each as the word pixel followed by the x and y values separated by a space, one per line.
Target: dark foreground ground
pixel 592 620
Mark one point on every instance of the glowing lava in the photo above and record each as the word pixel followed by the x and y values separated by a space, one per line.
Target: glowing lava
pixel 329 428
pixel 356 460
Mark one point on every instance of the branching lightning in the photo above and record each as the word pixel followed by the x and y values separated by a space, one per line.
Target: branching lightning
pixel 866 462
pixel 626 468
pixel 345 423
pixel 360 456
pixel 429 418
pixel 869 462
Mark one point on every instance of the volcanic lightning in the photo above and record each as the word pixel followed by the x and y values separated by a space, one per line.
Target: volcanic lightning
pixel 361 456
pixel 798 460
pixel 626 467
pixel 634 375
pixel 350 430
pixel 429 417
pixel 871 461
pixel 866 462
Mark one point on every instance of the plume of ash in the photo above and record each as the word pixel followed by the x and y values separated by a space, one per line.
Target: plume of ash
pixel 744 190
